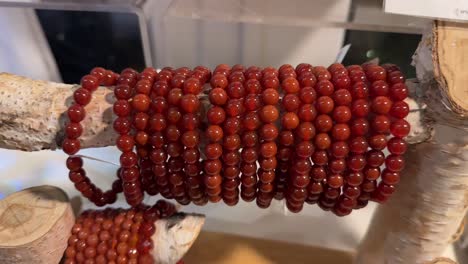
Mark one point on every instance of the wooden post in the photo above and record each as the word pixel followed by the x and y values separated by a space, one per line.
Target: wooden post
pixel 418 222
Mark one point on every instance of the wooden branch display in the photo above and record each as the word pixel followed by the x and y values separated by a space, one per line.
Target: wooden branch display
pixel 38 124
pixel 419 222
pixel 35 225
pixel 41 127
pixel 34 114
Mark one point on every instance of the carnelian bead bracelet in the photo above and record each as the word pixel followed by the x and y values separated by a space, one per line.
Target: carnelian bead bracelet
pixel 305 134
pixel 115 235
pixel 73 130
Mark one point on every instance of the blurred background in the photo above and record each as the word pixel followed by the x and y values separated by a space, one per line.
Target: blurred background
pixel 61 40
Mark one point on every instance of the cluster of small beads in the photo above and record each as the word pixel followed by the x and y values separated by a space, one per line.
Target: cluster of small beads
pixel 305 134
pixel 142 106
pixel 395 92
pixel 130 173
pixel 190 104
pixel 251 123
pixel 176 162
pixel 115 235
pixel 269 114
pixel 232 130
pixel 214 136
pixel 298 105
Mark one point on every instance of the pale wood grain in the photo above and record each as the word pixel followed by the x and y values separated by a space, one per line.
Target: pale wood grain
pixel 34 225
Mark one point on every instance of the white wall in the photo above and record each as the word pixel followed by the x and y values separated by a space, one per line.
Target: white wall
pixel 23 48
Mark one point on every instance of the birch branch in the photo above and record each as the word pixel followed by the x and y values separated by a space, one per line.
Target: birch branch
pixel 33 115
pixel 419 221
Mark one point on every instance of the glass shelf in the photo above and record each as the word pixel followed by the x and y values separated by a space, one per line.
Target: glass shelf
pixel 362 14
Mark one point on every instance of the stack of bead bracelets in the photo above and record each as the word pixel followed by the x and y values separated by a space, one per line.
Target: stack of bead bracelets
pixel 305 134
pixel 115 235
pixel 232 127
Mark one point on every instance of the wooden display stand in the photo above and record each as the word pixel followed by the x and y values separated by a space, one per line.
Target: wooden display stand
pixel 415 226
pixel 35 224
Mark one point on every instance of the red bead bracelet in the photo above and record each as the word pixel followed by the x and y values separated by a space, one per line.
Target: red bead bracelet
pixel 73 130
pixel 305 134
pixel 115 235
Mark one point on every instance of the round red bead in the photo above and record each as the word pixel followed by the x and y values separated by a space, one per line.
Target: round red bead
pixel 122 108
pixel 400 109
pixel 90 82
pixel 82 96
pixel 76 113
pixel 395 163
pixel 400 128
pixel 398 91
pixel 73 130
pixel 71 146
pixel 396 146
pixel 381 105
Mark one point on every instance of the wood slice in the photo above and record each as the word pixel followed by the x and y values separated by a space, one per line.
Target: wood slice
pixel 450 56
pixel 34 225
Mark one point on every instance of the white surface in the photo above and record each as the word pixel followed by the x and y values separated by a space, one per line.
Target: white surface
pixel 23 47
pixel 312 226
pixel 444 9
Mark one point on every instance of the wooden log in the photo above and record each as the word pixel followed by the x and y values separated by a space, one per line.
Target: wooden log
pixel 35 224
pixel 419 221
